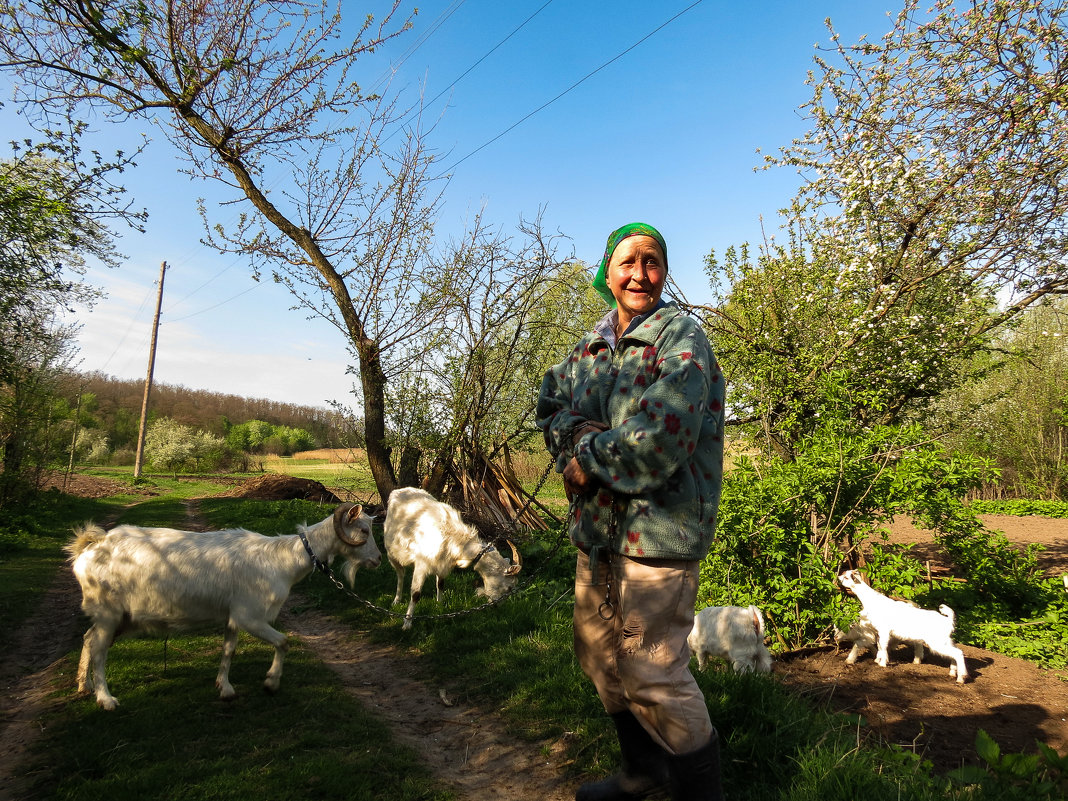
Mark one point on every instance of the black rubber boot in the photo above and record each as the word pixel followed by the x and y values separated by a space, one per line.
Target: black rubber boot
pixel 696 776
pixel 644 771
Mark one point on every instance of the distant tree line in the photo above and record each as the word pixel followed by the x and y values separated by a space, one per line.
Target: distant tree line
pixel 115 406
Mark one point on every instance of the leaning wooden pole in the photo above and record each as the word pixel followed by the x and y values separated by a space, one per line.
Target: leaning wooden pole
pixel 148 381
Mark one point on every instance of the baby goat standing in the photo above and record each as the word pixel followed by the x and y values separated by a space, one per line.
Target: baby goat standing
pixel 883 619
pixel 161 579
pixel 730 632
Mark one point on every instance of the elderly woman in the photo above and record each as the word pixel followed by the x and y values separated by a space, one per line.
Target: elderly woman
pixel 634 417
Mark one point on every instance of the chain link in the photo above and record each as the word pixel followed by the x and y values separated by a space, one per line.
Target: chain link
pixel 326 571
pixel 531 496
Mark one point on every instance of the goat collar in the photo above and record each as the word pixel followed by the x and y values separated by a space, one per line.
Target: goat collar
pixel 485 549
pixel 319 564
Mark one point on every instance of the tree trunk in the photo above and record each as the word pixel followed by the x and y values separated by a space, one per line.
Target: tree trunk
pixel 372 377
pixel 408 472
pixel 373 381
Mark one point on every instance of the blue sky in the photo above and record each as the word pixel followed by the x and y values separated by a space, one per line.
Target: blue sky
pixel 666 133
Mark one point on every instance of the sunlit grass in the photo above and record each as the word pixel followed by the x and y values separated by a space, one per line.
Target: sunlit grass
pixel 354 477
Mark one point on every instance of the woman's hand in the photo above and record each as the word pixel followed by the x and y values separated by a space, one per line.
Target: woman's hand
pixel 576 480
pixel 584 429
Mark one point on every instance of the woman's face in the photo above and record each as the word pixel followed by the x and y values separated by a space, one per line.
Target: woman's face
pixel 636 276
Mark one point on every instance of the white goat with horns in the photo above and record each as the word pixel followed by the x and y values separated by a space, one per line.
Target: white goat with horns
pixel 432 537
pixel 883 619
pixel 161 579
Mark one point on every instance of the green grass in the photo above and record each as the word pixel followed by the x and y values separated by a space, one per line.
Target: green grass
pixel 172 737
pixel 1021 507
pixel 31 549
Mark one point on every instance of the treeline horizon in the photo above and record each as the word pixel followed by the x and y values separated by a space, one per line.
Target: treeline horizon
pixel 117 404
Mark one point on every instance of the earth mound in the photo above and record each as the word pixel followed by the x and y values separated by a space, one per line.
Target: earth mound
pixel 278 487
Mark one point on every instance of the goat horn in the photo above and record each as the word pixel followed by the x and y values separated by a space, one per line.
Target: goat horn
pixel 517 560
pixel 342 515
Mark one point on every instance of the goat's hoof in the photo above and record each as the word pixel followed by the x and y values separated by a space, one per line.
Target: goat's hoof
pixel 108 703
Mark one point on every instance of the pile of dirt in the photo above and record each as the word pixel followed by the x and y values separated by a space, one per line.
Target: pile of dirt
pixel 278 487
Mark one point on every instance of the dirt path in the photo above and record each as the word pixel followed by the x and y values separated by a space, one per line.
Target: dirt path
pixel 28 666
pixel 467 747
pixel 1050 533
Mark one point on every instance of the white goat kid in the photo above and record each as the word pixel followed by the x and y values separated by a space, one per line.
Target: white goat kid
pixel 733 633
pixel 430 537
pixel 883 619
pixel 161 579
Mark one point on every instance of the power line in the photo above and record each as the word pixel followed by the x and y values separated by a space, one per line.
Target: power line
pixel 214 277
pixel 442 18
pixel 488 53
pixel 257 285
pixel 573 86
pixel 133 320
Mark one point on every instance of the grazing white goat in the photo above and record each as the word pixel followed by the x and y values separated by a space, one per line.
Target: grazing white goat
pixel 432 538
pixel 733 633
pixel 884 619
pixel 161 579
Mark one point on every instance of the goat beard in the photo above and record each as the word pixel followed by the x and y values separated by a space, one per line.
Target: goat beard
pixel 348 570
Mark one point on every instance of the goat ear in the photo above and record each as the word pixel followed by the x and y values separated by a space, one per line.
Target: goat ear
pixel 344 516
pixel 758 620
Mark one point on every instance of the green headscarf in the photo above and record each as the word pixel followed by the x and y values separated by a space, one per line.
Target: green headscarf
pixel 600 281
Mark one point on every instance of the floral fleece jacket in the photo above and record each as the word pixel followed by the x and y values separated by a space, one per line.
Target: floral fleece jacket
pixel 659 467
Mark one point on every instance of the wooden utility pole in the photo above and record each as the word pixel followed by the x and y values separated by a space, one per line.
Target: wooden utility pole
pixel 148 380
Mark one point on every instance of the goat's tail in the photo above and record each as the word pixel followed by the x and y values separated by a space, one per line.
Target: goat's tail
pixel 947 612
pixel 84 536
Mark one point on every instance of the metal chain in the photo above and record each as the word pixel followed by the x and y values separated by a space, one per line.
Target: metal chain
pixel 324 568
pixel 531 496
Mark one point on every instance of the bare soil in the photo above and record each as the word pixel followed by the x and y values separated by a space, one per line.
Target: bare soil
pixel 472 749
pixel 278 487
pixel 920 706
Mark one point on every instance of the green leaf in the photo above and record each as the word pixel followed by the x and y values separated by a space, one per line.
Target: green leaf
pixel 969 774
pixel 988 750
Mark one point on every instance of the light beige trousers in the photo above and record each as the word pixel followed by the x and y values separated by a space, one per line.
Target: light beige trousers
pixel 638 658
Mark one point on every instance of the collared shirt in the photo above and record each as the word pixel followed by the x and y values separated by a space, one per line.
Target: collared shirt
pixel 606 326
